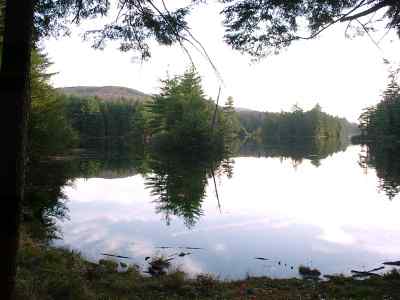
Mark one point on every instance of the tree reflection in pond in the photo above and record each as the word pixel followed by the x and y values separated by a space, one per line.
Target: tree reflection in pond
pixel 384 158
pixel 314 149
pixel 179 182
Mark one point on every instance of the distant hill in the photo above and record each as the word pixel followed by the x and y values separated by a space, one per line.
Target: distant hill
pixel 249 112
pixel 105 92
pixel 243 109
pixel 250 119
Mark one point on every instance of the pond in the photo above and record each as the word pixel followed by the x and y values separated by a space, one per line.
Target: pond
pixel 326 212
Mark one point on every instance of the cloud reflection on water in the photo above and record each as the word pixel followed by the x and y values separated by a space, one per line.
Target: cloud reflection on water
pixel 331 215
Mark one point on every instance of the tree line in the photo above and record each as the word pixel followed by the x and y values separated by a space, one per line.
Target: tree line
pixel 380 134
pixel 382 121
pixel 95 118
pixel 180 118
pixel 384 158
pixel 181 115
pixel 296 125
pixel 300 124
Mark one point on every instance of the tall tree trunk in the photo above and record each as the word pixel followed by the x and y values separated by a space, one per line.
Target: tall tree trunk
pixel 15 105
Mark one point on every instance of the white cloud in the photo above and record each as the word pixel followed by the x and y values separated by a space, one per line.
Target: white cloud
pixel 220 247
pixel 141 248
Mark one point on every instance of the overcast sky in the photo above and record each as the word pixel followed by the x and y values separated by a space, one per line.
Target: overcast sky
pixel 342 75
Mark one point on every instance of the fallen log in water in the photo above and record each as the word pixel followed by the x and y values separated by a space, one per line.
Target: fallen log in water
pixel 376 269
pixel 118 256
pixel 363 274
pixel 392 263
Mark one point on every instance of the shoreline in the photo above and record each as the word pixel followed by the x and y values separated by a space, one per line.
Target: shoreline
pixel 47 272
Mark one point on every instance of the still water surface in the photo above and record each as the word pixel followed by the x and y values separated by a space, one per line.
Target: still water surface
pixel 332 217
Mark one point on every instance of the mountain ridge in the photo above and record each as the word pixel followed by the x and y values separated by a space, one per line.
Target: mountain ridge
pixel 108 92
pixel 115 92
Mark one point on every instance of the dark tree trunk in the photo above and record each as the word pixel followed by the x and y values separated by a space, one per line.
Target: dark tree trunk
pixel 15 105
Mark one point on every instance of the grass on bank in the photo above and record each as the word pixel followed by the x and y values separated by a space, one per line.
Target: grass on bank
pixel 45 273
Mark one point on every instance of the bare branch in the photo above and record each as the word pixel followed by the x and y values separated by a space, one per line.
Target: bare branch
pixel 215 110
pixel 177 35
pixel 373 9
pixel 120 10
pixel 204 52
pixel 369 35
pixel 216 189
pixel 362 3
pixel 347 28
pixel 340 19
pixel 79 5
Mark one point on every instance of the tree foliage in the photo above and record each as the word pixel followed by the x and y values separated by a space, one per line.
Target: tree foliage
pixel 49 134
pixel 384 158
pixel 181 118
pixel 135 24
pixel 382 121
pixel 299 124
pixel 296 125
pixel 267 26
pixel 49 131
pixel 96 118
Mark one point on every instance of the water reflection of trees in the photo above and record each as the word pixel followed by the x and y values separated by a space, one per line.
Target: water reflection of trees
pixel 44 201
pixel 296 150
pixel 384 158
pixel 179 182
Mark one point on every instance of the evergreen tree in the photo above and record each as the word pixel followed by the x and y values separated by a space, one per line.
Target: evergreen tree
pixel 382 121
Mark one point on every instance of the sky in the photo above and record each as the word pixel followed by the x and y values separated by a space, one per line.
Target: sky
pixel 342 75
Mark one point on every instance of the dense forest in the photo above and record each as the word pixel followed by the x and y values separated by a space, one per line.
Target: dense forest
pixel 296 125
pixel 382 121
pixel 180 114
pixel 94 118
pixel 380 136
pixel 299 124
pixel 49 134
pixel 384 158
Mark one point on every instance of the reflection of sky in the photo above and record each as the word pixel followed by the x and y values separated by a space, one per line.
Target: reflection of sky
pixel 331 217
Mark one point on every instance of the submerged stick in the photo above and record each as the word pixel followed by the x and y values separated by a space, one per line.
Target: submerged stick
pixel 363 274
pixel 216 190
pixel 376 269
pixel 191 248
pixel 119 256
pixel 392 263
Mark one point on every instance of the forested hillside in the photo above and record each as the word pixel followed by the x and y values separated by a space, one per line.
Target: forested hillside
pixel 181 114
pixel 294 125
pixel 93 117
pixel 105 92
pixel 250 120
pixel 97 113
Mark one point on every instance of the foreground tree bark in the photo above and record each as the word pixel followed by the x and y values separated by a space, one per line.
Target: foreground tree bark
pixel 15 105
